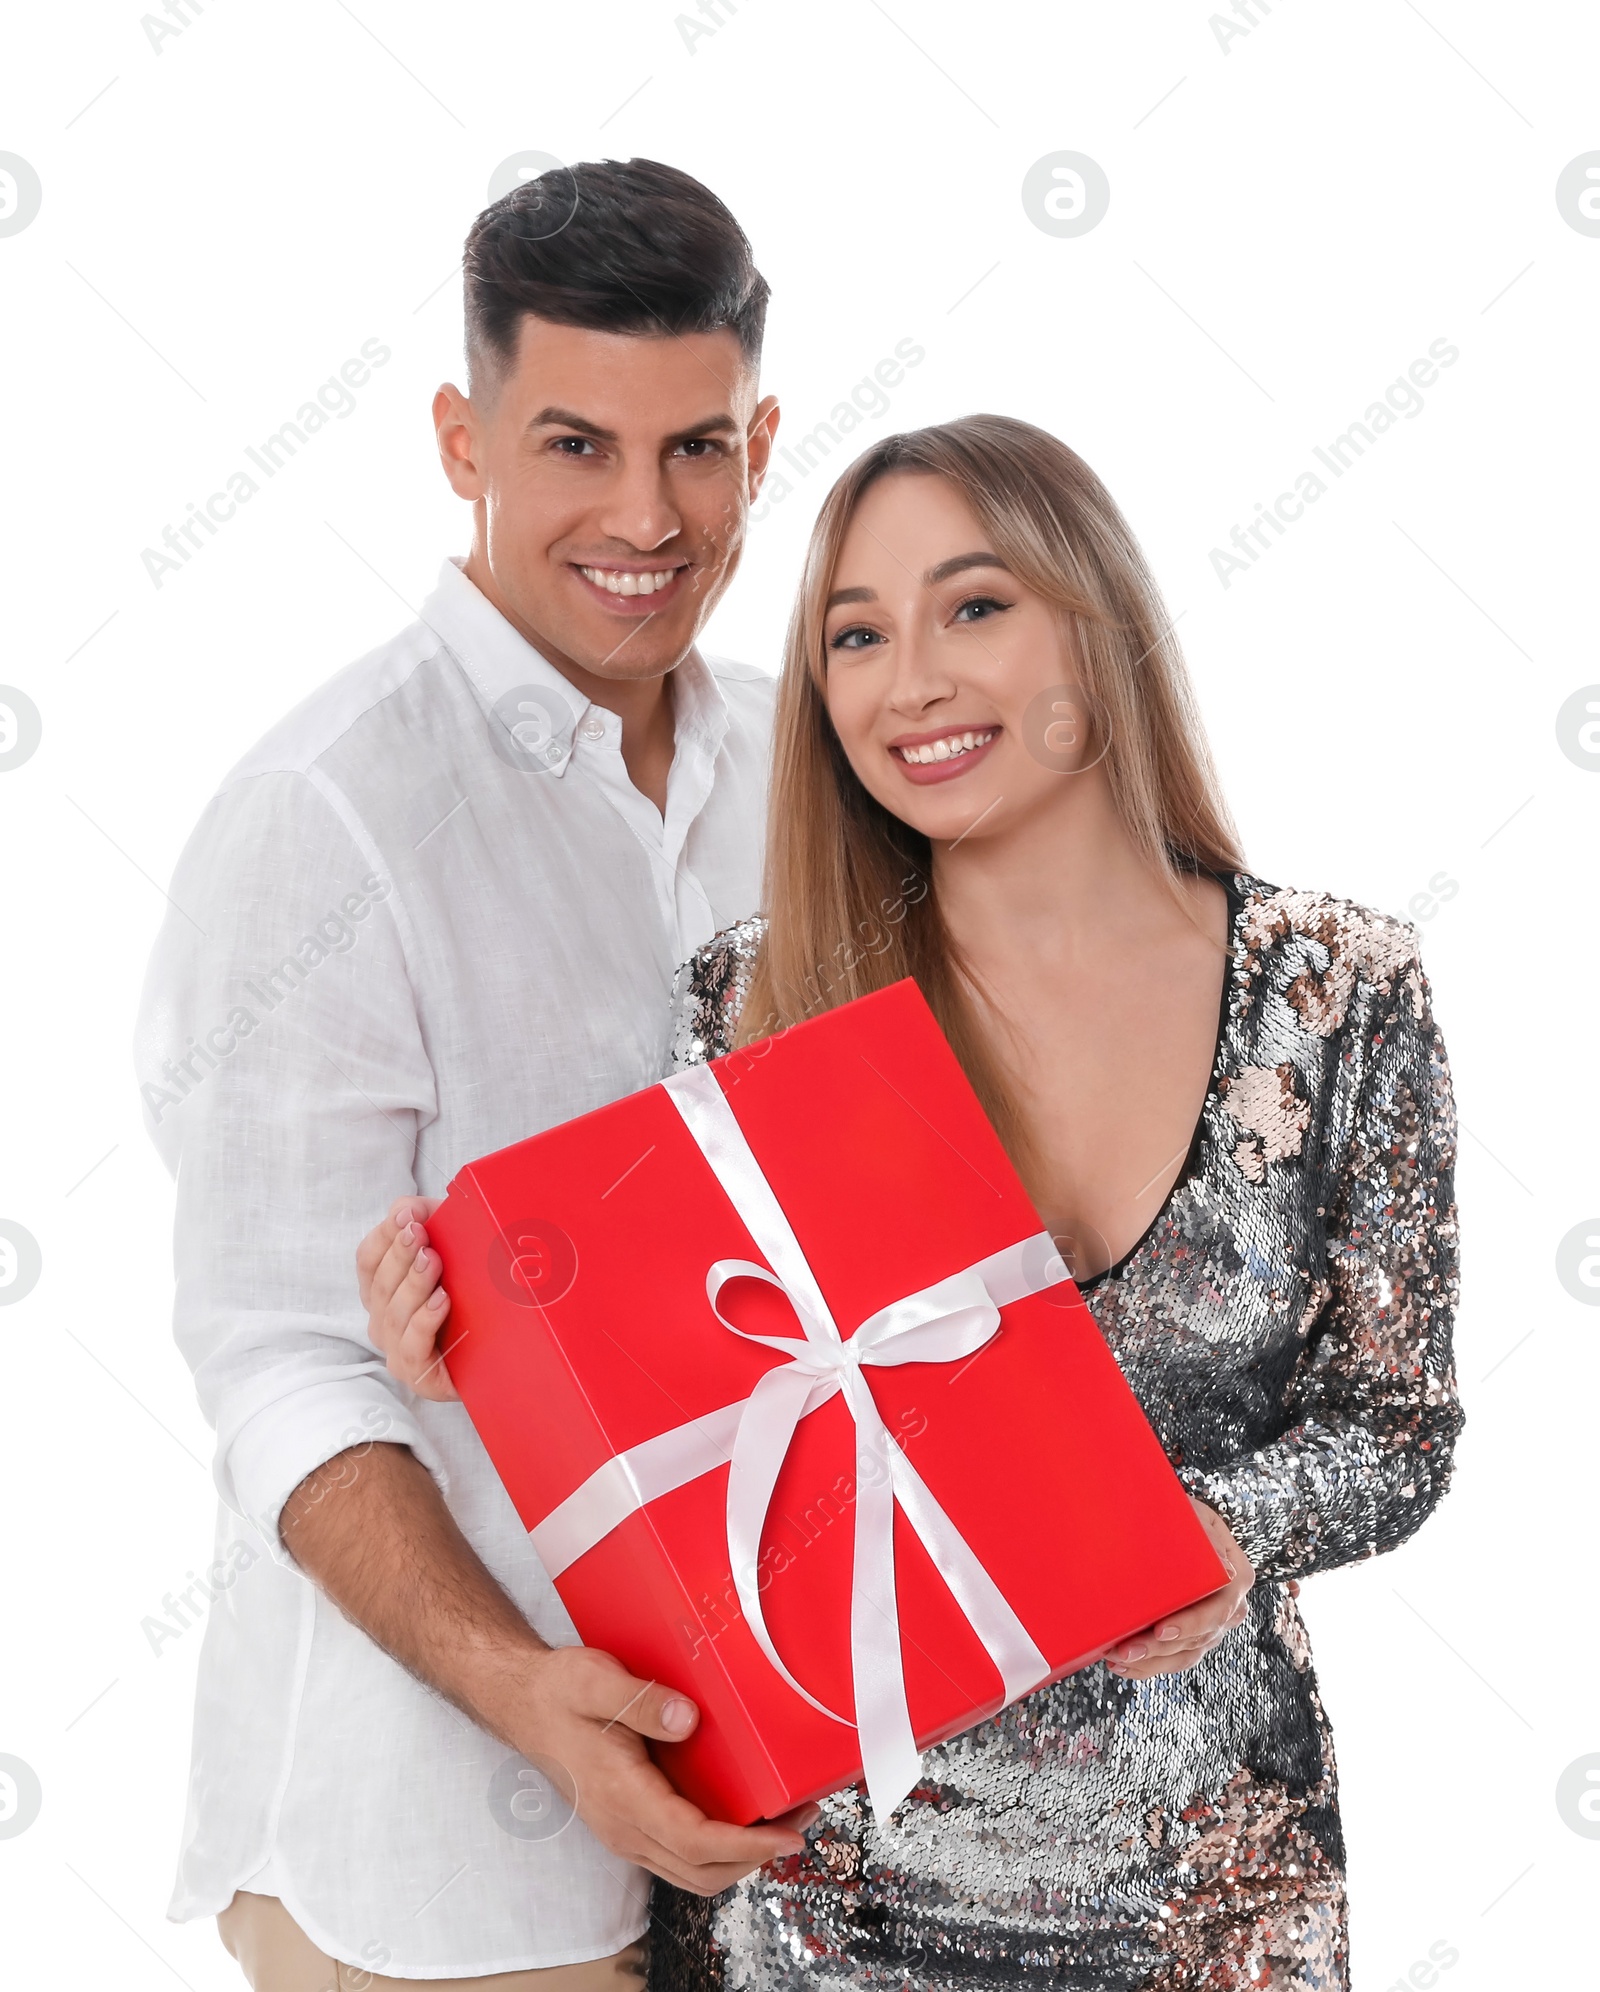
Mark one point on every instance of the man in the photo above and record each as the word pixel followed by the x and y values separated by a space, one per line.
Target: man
pixel 436 910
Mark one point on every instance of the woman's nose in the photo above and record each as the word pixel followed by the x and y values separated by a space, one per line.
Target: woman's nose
pixel 921 675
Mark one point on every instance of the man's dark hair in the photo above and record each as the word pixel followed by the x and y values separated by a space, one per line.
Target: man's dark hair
pixel 614 246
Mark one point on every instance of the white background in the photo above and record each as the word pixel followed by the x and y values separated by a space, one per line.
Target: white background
pixel 1293 219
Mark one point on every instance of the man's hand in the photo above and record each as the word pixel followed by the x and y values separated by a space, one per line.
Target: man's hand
pixel 574 1712
pixel 397 1272
pixel 371 1528
pixel 582 1718
pixel 1176 1643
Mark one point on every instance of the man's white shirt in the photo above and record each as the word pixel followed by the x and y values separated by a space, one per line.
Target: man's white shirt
pixel 427 916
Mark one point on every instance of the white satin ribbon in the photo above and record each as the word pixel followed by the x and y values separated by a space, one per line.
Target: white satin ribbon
pixel 946 1322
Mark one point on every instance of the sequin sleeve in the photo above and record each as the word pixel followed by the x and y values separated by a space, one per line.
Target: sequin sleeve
pixel 1373 1409
pixel 708 994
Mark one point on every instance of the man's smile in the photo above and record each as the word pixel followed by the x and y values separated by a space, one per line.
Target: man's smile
pixel 629 590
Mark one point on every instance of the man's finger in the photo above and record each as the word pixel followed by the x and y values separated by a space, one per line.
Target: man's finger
pixel 690 1837
pixel 647 1853
pixel 699 1877
pixel 665 1816
pixel 647 1708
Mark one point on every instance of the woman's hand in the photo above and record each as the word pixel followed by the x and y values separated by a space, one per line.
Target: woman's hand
pixel 1175 1643
pixel 397 1271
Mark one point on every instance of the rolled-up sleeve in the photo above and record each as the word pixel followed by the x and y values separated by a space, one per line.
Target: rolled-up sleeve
pixel 1374 1414
pixel 285 1080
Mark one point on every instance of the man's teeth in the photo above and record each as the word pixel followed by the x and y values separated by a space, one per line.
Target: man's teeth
pixel 620 581
pixel 948 748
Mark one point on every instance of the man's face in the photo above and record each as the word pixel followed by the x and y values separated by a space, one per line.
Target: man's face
pixel 612 475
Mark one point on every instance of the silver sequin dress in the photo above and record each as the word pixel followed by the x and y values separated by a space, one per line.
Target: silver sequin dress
pixel 1286 1325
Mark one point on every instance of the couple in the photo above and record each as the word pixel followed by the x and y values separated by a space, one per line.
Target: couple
pixel 445 904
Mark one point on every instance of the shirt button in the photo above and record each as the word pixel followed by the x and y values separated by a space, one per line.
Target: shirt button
pixel 593 728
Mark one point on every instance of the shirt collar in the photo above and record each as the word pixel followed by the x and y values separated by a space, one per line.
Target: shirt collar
pixel 539 711
pixel 699 710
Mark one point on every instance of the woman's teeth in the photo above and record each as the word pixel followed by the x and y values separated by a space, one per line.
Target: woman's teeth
pixel 620 581
pixel 946 749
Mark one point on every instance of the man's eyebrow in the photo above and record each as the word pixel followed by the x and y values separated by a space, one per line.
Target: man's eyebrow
pixel 713 425
pixel 563 418
pixel 850 595
pixel 961 561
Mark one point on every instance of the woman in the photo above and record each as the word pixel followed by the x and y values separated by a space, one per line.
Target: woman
pixel 1232 1109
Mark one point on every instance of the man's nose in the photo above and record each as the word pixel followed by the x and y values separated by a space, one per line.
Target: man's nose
pixel 639 509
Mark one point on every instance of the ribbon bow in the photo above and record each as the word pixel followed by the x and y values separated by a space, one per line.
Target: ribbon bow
pixel 944 1323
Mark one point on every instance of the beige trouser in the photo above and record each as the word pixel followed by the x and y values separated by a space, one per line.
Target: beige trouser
pixel 276 1955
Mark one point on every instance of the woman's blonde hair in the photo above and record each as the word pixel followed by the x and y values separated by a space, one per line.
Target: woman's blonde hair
pixel 849 888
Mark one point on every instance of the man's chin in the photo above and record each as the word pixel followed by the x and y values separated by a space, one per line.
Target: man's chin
pixel 636 636
pixel 641 651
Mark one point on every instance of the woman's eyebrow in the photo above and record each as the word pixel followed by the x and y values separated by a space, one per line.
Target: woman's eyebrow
pixel 956 564
pixel 959 561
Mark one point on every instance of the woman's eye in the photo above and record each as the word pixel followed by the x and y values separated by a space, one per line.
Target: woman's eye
pixel 858 637
pixel 979 609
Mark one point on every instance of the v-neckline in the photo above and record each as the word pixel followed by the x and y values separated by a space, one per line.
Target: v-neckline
pixel 1229 881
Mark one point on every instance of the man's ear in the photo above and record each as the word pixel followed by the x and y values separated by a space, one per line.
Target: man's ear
pixel 758 444
pixel 456 427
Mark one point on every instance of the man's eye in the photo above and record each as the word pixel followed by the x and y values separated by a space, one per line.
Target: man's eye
pixel 574 446
pixel 857 637
pixel 979 609
pixel 698 446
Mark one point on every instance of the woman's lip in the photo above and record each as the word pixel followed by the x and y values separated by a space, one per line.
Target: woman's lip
pixel 945 732
pixel 924 772
pixel 632 605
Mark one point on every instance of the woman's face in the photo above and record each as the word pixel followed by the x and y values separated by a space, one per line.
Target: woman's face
pixel 953 688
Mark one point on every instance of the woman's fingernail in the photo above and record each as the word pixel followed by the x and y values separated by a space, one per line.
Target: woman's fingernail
pixel 1168 1632
pixel 1135 1653
pixel 407 1233
pixel 436 1299
pixel 677 1715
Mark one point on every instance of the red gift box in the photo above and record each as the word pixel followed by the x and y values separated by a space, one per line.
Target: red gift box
pixel 805 1418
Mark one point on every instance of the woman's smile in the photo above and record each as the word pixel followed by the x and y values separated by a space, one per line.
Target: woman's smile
pixel 942 755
